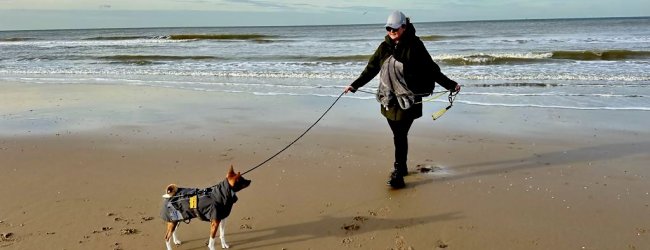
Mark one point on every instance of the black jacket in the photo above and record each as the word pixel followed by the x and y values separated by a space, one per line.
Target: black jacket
pixel 420 72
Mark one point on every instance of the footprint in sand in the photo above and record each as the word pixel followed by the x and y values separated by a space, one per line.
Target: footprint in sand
pixel 431 169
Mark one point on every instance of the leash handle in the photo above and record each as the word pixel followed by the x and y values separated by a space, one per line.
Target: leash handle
pixel 451 98
pixel 441 112
pixel 294 141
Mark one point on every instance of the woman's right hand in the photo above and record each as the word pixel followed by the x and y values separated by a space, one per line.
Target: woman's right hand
pixel 348 89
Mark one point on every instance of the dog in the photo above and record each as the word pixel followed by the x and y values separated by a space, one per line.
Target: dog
pixel 211 204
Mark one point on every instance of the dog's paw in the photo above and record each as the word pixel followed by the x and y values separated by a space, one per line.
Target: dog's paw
pixel 224 245
pixel 177 242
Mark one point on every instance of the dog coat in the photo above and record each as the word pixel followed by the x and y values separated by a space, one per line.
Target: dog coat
pixel 212 203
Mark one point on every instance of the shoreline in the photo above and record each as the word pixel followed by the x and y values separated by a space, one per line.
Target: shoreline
pixel 88 107
pixel 91 162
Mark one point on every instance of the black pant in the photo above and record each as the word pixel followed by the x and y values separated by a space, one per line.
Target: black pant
pixel 400 138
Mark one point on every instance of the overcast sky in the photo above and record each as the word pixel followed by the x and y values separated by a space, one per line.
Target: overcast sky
pixel 66 14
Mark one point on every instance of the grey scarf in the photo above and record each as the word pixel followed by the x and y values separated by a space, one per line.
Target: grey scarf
pixel 392 85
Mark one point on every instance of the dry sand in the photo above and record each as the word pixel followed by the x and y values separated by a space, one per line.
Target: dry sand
pixel 84 167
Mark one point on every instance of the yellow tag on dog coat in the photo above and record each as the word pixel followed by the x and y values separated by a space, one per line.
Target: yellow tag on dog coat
pixel 193 201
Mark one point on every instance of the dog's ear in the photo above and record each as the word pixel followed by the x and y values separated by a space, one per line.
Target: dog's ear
pixel 170 191
pixel 231 172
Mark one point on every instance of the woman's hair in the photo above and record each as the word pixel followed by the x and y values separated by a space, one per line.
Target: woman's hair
pixel 409 27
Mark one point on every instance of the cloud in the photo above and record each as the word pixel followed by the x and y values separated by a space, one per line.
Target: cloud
pixel 262 4
pixel 254 6
pixel 349 6
pixel 231 5
pixel 39 14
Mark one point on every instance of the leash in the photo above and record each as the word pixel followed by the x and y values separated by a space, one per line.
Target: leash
pixel 294 141
pixel 436 115
pixel 438 94
pixel 451 98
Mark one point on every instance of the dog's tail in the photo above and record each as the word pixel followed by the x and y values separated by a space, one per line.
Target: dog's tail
pixel 170 191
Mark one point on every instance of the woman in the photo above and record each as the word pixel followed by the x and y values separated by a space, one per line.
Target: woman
pixel 407 74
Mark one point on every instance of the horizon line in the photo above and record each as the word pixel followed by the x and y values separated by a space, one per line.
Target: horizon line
pixel 320 25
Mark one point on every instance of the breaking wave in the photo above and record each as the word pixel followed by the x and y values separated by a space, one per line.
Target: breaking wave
pixel 332 59
pixel 342 59
pixel 117 38
pixel 521 105
pixel 439 37
pixel 143 60
pixel 556 94
pixel 518 84
pixel 541 57
pixel 155 57
pixel 255 37
pixel 483 59
pixel 16 39
pixel 588 55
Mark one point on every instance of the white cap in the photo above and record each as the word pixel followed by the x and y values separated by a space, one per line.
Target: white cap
pixel 396 20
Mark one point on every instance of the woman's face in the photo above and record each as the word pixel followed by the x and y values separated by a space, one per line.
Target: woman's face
pixel 395 34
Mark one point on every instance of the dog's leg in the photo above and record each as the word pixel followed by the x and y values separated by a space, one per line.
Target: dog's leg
pixel 171 233
pixel 174 238
pixel 214 224
pixel 222 234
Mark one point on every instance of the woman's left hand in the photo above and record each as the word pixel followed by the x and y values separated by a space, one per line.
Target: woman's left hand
pixel 457 88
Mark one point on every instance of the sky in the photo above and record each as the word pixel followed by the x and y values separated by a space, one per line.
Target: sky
pixel 79 14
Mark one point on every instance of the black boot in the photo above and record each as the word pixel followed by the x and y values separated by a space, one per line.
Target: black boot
pixel 396 180
pixel 401 168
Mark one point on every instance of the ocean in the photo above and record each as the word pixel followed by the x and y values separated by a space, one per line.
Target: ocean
pixel 582 64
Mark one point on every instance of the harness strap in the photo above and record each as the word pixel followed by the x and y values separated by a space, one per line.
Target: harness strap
pixel 194 201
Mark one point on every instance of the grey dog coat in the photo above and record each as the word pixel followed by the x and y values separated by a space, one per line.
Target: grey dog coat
pixel 213 203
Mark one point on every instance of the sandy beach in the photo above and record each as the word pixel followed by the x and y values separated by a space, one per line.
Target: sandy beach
pixel 83 166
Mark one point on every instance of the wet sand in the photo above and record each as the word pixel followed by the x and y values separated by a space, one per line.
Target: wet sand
pixel 84 166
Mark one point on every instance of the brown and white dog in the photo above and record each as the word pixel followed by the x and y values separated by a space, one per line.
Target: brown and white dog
pixel 211 204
